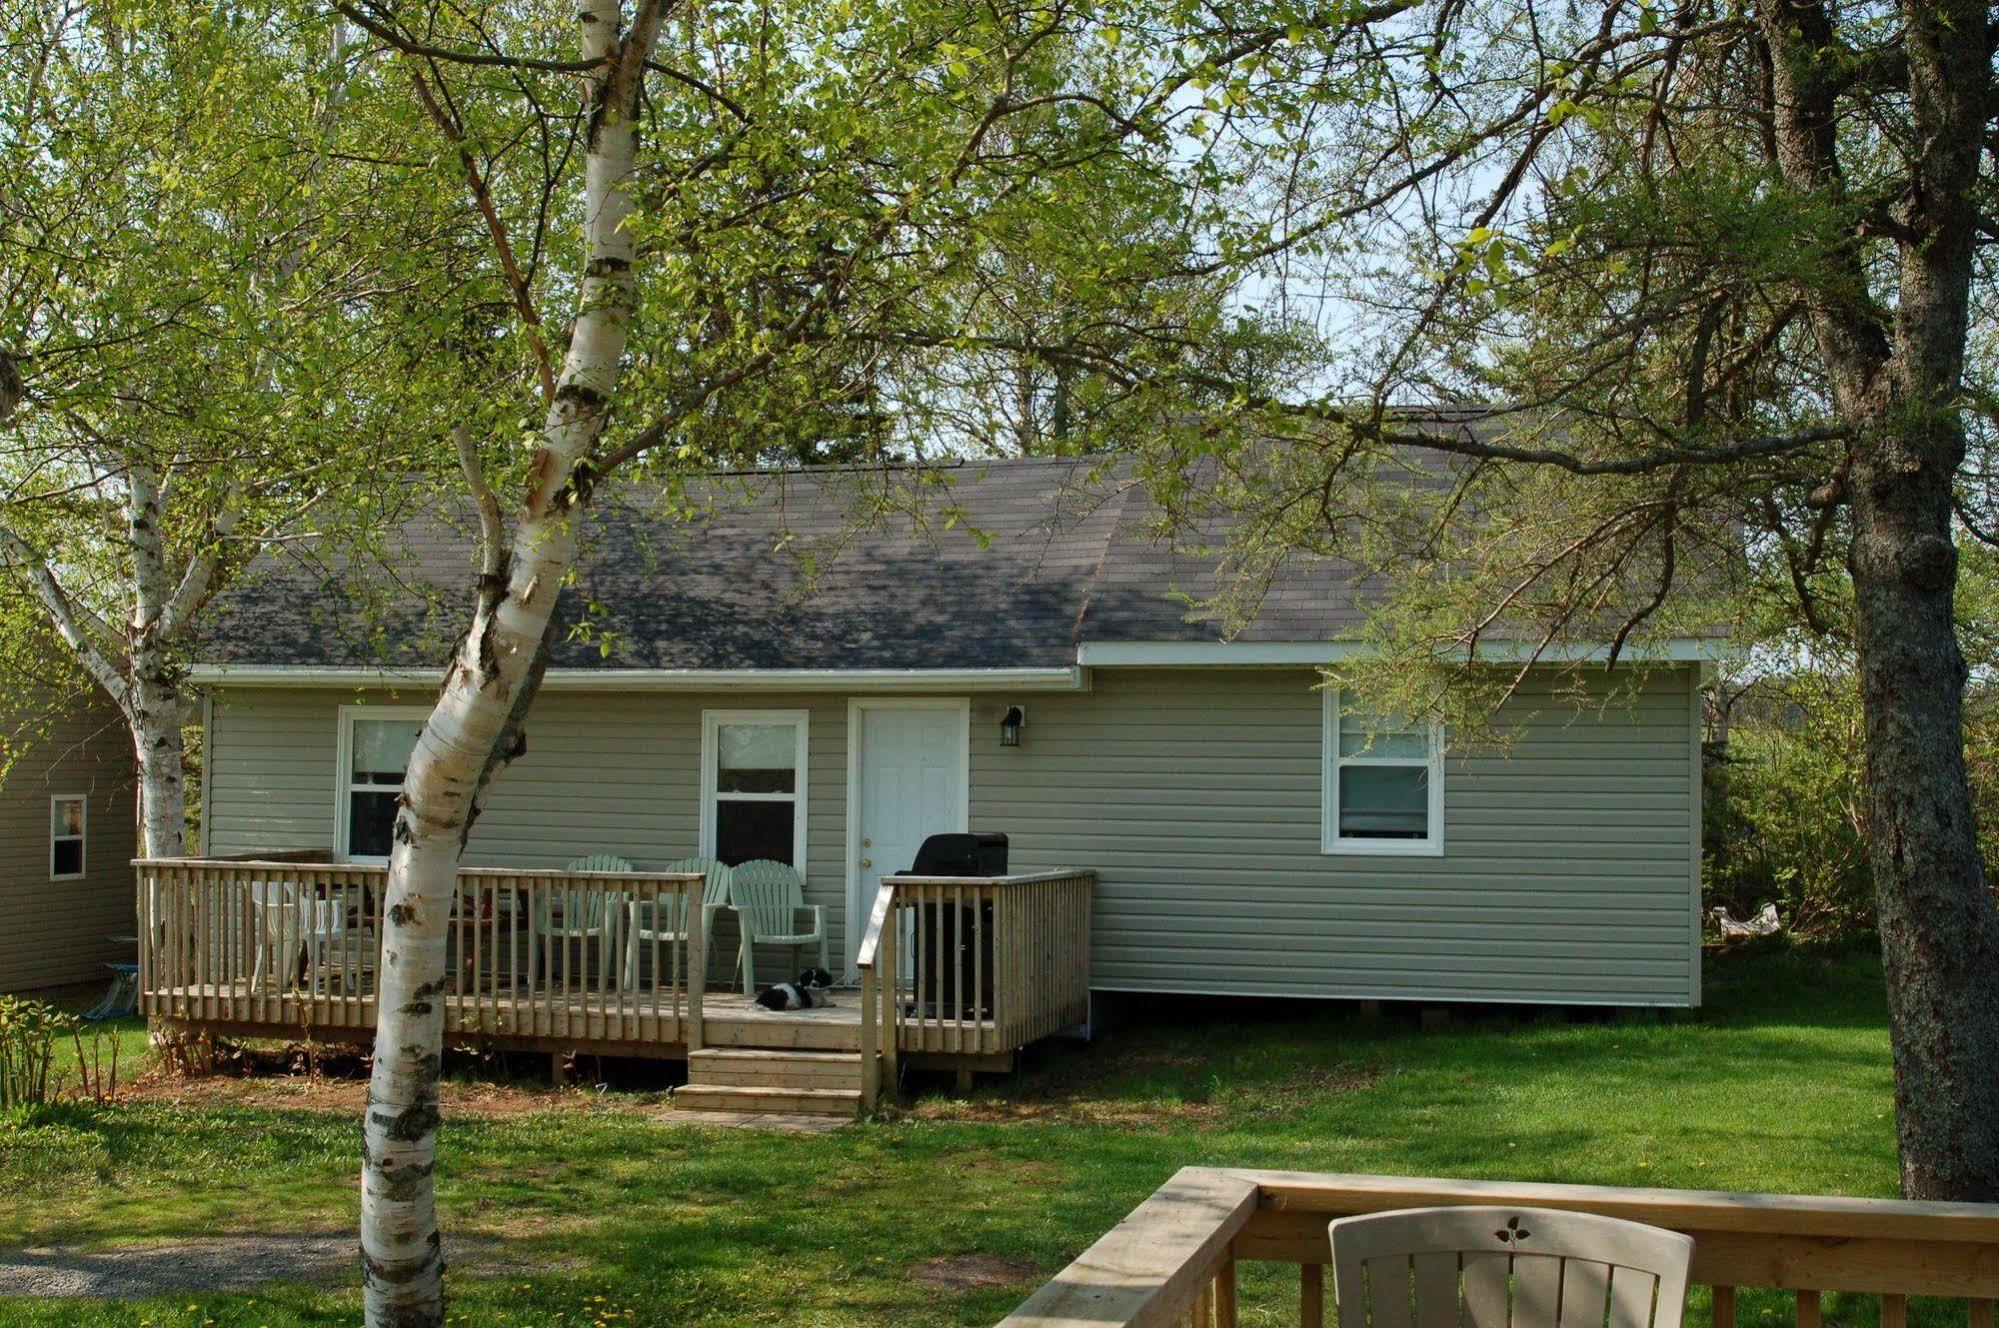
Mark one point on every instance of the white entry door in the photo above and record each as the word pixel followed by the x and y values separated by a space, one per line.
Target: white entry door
pixel 907 776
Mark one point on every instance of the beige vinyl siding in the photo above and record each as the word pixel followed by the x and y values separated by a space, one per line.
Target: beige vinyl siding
pixel 54 932
pixel 1567 873
pixel 603 773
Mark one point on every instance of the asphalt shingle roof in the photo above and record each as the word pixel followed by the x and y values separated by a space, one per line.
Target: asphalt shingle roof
pixel 977 564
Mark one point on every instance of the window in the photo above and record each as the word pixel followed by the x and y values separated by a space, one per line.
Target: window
pixel 753 785
pixel 1384 782
pixel 67 818
pixel 375 747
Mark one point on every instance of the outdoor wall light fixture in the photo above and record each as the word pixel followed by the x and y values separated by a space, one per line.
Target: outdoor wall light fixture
pixel 1010 725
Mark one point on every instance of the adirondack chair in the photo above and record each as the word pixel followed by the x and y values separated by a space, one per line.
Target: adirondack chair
pixel 1557 1269
pixel 661 919
pixel 584 916
pixel 768 898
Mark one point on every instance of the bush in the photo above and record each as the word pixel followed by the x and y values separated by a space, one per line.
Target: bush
pixel 34 1035
pixel 29 1032
pixel 1784 819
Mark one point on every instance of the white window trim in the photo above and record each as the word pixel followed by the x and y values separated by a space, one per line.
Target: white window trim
pixel 82 838
pixel 711 722
pixel 343 769
pixel 1330 841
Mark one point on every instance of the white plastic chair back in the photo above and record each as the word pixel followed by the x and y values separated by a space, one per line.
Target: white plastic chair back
pixel 1492 1267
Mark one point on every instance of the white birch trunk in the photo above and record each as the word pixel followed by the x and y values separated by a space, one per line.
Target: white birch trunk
pixel 488 686
pixel 152 703
pixel 153 712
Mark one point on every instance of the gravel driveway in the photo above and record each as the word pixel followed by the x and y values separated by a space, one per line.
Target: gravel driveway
pixel 221 1263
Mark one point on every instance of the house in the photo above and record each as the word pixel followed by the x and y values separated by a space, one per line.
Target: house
pixel 68 830
pixel 1010 652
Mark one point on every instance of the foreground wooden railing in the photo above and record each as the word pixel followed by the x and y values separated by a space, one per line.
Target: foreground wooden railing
pixel 971 966
pixel 1173 1260
pixel 531 955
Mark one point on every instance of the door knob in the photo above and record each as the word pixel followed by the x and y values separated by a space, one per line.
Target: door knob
pixel 867 843
pixel 867 862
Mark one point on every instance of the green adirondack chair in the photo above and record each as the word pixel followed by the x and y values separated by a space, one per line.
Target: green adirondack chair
pixel 661 919
pixel 769 899
pixel 585 915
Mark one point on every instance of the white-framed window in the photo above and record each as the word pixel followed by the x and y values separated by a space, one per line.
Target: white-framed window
pixel 753 785
pixel 375 747
pixel 1384 781
pixel 69 825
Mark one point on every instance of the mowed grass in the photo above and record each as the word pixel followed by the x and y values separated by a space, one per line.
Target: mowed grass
pixel 1781 1083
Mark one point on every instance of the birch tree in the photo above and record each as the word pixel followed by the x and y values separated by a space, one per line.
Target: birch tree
pixel 177 334
pixel 695 210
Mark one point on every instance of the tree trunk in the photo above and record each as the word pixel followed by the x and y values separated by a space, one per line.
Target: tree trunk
pixel 162 795
pixel 473 728
pixel 1899 386
pixel 153 709
pixel 1939 924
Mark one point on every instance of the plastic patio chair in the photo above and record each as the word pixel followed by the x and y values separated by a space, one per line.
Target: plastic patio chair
pixel 768 898
pixel 285 912
pixel 586 914
pixel 660 919
pixel 1523 1267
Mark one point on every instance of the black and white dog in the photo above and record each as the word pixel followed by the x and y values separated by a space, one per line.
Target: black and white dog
pixel 808 993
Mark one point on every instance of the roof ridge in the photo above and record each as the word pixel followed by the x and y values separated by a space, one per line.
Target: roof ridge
pixel 1089 595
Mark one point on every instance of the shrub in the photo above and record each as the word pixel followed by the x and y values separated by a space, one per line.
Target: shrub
pixel 1784 819
pixel 29 1032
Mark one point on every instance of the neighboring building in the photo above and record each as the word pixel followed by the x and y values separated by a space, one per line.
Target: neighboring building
pixel 1241 846
pixel 68 832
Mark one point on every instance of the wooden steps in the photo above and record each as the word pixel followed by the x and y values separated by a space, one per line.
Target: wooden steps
pixel 772 1081
pixel 769 1101
pixel 817 1030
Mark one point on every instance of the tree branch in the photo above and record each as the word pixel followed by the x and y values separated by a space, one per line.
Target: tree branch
pixel 490 59
pixel 197 582
pixel 496 228
pixel 81 629
pixel 492 526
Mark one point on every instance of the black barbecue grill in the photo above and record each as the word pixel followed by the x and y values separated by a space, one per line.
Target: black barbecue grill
pixel 954 943
pixel 960 855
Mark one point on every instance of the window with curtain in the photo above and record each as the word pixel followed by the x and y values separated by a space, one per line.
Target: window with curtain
pixel 68 818
pixel 378 750
pixel 754 776
pixel 1383 781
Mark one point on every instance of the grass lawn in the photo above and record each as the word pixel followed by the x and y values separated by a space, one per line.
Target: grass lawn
pixel 1781 1083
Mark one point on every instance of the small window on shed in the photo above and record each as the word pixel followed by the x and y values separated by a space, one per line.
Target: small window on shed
pixel 1384 781
pixel 68 820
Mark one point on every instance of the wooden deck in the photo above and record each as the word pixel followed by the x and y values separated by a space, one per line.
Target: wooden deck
pixel 1172 1262
pixel 730 1019
pixel 596 962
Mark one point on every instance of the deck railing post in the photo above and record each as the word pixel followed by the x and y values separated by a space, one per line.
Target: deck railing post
pixel 697 960
pixel 1311 1295
pixel 889 970
pixel 871 1069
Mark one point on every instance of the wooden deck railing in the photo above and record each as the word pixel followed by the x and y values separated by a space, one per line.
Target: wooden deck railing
pixel 531 955
pixel 971 966
pixel 1173 1260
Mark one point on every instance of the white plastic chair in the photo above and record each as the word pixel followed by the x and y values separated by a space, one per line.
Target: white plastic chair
pixel 586 915
pixel 1491 1267
pixel 286 915
pixel 661 919
pixel 768 898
